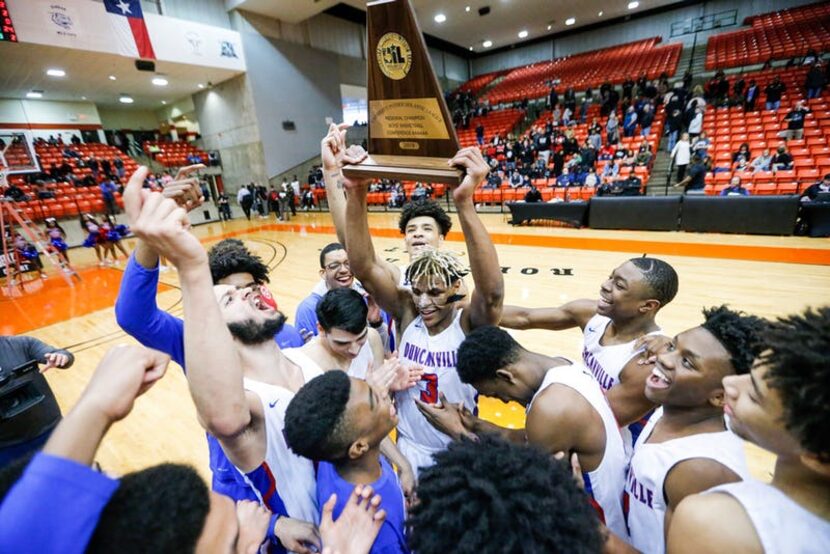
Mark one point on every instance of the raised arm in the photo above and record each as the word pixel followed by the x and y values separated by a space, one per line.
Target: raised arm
pixel 215 372
pixel 372 275
pixel 488 296
pixel 567 316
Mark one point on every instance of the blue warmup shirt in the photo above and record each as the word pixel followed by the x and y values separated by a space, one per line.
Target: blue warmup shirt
pixel 54 507
pixel 138 314
pixel 391 538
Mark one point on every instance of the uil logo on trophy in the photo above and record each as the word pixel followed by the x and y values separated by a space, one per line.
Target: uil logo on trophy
pixel 411 135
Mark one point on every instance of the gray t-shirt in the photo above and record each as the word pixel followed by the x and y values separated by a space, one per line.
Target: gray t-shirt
pixel 14 352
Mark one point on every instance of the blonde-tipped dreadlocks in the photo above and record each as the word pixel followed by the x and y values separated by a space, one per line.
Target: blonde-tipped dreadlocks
pixel 434 265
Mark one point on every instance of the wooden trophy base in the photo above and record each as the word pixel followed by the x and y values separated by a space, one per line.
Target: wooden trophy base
pixel 405 168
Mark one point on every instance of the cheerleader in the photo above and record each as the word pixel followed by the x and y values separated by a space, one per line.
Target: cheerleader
pixel 95 239
pixel 29 252
pixel 114 232
pixel 57 241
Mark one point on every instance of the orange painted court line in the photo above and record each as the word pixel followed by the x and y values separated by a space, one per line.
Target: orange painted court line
pixel 809 256
pixel 53 301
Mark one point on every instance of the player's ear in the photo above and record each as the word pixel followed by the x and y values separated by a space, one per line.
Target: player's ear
pixel 358 448
pixel 717 399
pixel 505 375
pixel 650 305
pixel 814 463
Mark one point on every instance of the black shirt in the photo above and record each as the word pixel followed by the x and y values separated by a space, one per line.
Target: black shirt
pixel 14 352
pixel 697 172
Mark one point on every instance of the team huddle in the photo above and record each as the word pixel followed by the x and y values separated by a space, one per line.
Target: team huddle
pixel 638 446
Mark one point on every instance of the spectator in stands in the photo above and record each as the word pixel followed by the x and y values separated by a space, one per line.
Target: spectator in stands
pixel 419 193
pixel 558 162
pixel 696 123
pixel 565 179
pixel 701 145
pixel 646 119
pixel 570 144
pixel 553 98
pixel 588 155
pixel 108 189
pixel 194 158
pixel 42 192
pixel 674 123
pixel 782 159
pixel 533 195
pixel 644 155
pixel 735 188
pixel 15 193
pixel 695 181
pixel 814 82
pixel 480 134
pixel 567 117
pixel 106 167
pixel 224 207
pixel 245 200
pixel 612 129
pixel 307 199
pixel 762 162
pixel 629 122
pixel 591 180
pixel 750 96
pixel 610 171
pixel 119 167
pixel 810 57
pixel 92 164
pixel 742 153
pixel 795 121
pixel 774 91
pixel 812 192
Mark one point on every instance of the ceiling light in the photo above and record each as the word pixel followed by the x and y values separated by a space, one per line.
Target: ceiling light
pixel 200 85
pixel 487 43
pixel 160 81
pixel 600 14
pixel 34 94
pixel 570 21
pixel 56 72
pixel 83 97
pixel 112 77
pixel 124 99
pixel 522 34
pixel 467 9
pixel 164 102
pixel 550 27
pixel 440 18
pixel 471 48
pixel 633 5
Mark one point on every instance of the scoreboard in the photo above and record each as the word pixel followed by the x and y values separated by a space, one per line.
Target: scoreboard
pixel 7 32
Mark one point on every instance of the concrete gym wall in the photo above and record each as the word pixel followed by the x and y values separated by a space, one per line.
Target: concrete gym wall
pixel 209 12
pixel 228 123
pixel 135 120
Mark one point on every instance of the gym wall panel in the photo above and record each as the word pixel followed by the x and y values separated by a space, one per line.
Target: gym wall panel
pixel 514 58
pixel 209 12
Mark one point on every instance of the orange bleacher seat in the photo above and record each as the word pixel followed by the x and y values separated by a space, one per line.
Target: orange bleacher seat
pixel 765 188
pixel 807 174
pixel 787 188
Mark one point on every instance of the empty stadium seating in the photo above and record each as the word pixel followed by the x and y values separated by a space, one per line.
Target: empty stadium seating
pixel 589 69
pixel 774 35
pixel 475 84
pixel 496 122
pixel 174 154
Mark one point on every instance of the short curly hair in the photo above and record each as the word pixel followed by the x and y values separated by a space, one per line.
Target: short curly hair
pixel 495 497
pixel 315 420
pixel 738 332
pixel 232 256
pixel 660 277
pixel 425 208
pixel 159 509
pixel 798 362
pixel 484 351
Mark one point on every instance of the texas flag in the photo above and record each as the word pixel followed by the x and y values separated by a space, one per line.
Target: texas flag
pixel 129 28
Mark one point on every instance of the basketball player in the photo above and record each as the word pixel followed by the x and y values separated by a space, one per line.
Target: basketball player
pixel 566 412
pixel 493 497
pixel 430 322
pixel 346 343
pixel 335 273
pixel 686 447
pixel 424 224
pixel 62 505
pixel 340 422
pixel 235 369
pixel 629 301
pixel 782 405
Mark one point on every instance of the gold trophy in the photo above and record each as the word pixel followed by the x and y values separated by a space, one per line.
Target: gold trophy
pixel 411 135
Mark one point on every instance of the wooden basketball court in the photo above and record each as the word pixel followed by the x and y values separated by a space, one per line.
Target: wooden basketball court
pixel 543 266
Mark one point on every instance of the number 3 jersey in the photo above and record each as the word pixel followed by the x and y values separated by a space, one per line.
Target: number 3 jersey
pixel 437 355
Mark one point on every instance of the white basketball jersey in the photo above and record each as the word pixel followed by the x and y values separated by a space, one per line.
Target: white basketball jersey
pixel 651 463
pixel 605 484
pixel 782 525
pixel 293 476
pixel 605 362
pixel 437 355
pixel 356 369
pixel 361 363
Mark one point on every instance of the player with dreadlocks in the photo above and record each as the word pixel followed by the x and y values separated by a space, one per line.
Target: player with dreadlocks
pixel 614 328
pixel 686 447
pixel 783 406
pixel 431 322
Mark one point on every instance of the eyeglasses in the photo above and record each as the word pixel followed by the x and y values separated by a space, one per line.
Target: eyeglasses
pixel 337 265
